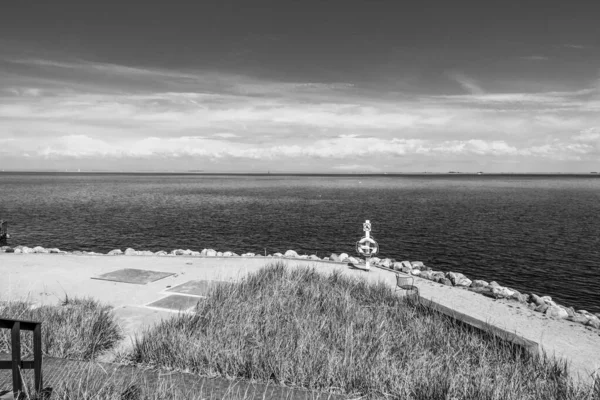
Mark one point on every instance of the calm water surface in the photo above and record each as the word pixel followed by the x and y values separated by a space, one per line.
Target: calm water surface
pixel 534 233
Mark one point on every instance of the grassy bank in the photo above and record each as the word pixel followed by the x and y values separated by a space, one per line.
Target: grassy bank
pixel 300 328
pixel 78 329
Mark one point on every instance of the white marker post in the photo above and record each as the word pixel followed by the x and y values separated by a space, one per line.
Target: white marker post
pixel 367 246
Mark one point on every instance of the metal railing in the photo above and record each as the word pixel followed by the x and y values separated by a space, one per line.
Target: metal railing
pixel 16 364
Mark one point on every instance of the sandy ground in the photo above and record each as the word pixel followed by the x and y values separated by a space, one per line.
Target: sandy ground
pixel 46 278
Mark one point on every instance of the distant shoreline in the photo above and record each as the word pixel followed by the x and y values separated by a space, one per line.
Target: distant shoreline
pixel 592 174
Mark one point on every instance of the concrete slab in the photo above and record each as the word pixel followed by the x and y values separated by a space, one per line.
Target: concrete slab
pixel 175 302
pixel 195 288
pixel 136 276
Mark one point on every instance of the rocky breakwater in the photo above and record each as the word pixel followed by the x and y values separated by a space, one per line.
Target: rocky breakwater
pixel 177 252
pixel 541 304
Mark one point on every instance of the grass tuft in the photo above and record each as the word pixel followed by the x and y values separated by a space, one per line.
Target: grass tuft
pixel 333 333
pixel 78 328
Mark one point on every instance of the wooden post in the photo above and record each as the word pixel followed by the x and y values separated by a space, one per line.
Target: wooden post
pixel 37 357
pixel 16 357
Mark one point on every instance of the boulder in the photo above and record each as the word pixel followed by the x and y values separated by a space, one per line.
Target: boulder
pixel 211 253
pixel 580 319
pixel 494 284
pixel 486 291
pixel 334 257
pixel 406 270
pixel 375 260
pixel 187 252
pixel 386 263
pixel 531 306
pixel 248 255
pixel 77 252
pixel 464 282
pixel 501 292
pixel 145 253
pixel 325 258
pixel 277 255
pixel 130 252
pixel 547 299
pixel 415 272
pixel 479 283
pixel 556 312
pixel 456 277
pixel 27 250
pixel 397 266
pixel 537 300
pixel 594 322
pixel 445 281
pixel 40 250
pixel 542 308
pixel 160 253
pixel 219 254
pixel 178 252
pixel 54 251
pixel 303 257
pixel 6 249
pixel 315 257
pixel 17 251
pixel 417 264
pixel 291 254
pixel 227 254
pixel 427 275
pixel 343 257
pixel 352 260
pixel 570 311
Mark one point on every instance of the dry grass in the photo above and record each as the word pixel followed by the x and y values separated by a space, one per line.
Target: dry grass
pixel 333 333
pixel 78 329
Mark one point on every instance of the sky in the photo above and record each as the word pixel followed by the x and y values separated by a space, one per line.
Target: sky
pixel 300 86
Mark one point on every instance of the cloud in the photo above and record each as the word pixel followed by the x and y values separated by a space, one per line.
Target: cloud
pixel 535 58
pixel 468 84
pixel 218 116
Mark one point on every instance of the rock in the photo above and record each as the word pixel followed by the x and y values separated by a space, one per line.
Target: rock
pixel 211 253
pixel 438 275
pixel 277 255
pixel 397 266
pixel 534 298
pixel 446 282
pixel 580 319
pixel 556 312
pixel 187 252
pixel 531 306
pixel 427 275
pixel 343 257
pixel 219 254
pixel 386 262
pixel 494 284
pixel 517 295
pixel 479 283
pixel 521 298
pixel 486 291
pixel 291 254
pixel 375 260
pixel 130 252
pixel 145 253
pixel 415 272
pixel 352 260
pixel 406 270
pixel 325 258
pixel 334 257
pixel 160 253
pixel 455 277
pixel 570 311
pixel 542 308
pixel 315 257
pixel 464 282
pixel 54 251
pixel 227 254
pixel 500 292
pixel 547 299
pixel 27 250
pixel 17 251
pixel 248 255
pixel 594 322
pixel 203 252
pixel 178 252
pixel 417 264
pixel 6 249
pixel 40 250
pixel 305 257
pixel 195 254
pixel 77 252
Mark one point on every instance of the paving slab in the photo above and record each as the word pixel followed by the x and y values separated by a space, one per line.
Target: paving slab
pixel 195 288
pixel 175 302
pixel 131 275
